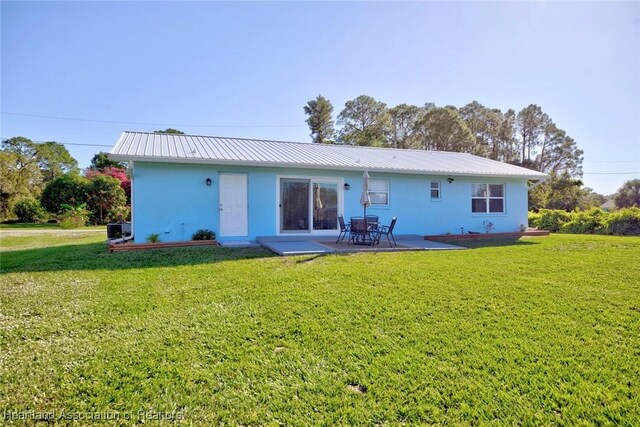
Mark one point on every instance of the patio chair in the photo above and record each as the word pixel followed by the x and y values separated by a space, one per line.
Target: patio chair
pixel 387 230
pixel 344 229
pixel 372 221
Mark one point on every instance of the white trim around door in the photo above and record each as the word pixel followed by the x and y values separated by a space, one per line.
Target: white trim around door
pixel 233 205
pixel 308 205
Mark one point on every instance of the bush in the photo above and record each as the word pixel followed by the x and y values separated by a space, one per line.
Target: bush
pixel 204 235
pixel 71 221
pixel 66 189
pixel 74 216
pixel 120 214
pixel 153 238
pixel 591 221
pixel 625 222
pixel 29 210
pixel 552 220
pixel 534 219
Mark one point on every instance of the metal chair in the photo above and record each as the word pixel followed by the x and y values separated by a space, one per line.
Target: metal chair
pixel 387 230
pixel 344 228
pixel 372 222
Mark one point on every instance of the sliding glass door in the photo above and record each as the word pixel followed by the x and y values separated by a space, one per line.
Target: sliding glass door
pixel 325 206
pixel 294 204
pixel 308 205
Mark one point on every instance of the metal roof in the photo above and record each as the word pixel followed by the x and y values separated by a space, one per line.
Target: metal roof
pixel 172 148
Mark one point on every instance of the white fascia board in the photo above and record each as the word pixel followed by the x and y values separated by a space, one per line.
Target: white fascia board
pixel 152 159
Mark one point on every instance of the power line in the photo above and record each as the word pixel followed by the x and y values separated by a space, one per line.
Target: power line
pixel 146 123
pixel 612 161
pixel 611 173
pixel 68 143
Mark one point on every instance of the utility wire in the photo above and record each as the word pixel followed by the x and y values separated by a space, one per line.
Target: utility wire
pixel 68 143
pixel 146 123
pixel 611 173
pixel 612 161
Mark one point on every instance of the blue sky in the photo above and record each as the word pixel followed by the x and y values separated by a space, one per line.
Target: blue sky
pixel 247 69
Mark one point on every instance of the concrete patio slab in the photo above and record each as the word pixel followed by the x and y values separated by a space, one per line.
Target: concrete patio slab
pixel 325 246
pixel 300 247
pixel 239 244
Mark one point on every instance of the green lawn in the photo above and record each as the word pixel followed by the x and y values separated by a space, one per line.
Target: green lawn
pixel 541 332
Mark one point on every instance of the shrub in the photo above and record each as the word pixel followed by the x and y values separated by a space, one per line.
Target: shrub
pixel 120 214
pixel 74 216
pixel 552 220
pixel 204 235
pixel 534 219
pixel 104 194
pixel 66 189
pixel 153 238
pixel 625 222
pixel 591 221
pixel 29 210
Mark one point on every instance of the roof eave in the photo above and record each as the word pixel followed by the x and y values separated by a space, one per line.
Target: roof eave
pixel 151 159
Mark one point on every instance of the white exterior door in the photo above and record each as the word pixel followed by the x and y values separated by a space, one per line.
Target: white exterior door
pixel 233 204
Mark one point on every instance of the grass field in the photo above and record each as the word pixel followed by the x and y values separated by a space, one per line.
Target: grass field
pixel 545 331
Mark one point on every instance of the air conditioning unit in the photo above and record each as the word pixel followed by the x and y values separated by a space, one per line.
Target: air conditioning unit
pixel 115 231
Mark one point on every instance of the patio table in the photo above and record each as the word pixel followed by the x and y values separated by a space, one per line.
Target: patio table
pixel 363 231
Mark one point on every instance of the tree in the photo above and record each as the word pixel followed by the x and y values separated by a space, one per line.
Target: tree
pixel 364 121
pixel 442 129
pixel 52 158
pixel 26 167
pixel 170 130
pixel 507 138
pixel 20 176
pixel 101 161
pixel 561 191
pixel 544 146
pixel 18 180
pixel 320 123
pixel 629 194
pixel 531 123
pixel 493 136
pixel 558 153
pixel 403 126
pixel 70 189
pixel 104 195
pixel 591 199
pixel 117 173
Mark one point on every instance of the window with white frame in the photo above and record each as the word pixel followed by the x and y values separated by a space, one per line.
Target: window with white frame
pixel 435 189
pixel 379 192
pixel 487 198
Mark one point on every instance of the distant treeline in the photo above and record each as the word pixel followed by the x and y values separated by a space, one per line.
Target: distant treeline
pixel 528 138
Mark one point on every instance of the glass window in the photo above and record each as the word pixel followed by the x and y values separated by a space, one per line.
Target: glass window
pixel 325 206
pixel 435 189
pixel 379 192
pixel 487 198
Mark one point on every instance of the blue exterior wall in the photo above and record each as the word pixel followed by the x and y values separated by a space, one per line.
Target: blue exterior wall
pixel 173 201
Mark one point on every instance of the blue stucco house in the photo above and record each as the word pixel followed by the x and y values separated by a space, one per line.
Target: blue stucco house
pixel 244 189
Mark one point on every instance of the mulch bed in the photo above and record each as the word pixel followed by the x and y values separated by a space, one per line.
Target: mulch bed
pixel 476 236
pixel 124 247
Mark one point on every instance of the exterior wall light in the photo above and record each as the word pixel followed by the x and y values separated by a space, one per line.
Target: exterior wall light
pixel 208 182
pixel 450 180
pixel 347 186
